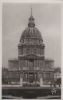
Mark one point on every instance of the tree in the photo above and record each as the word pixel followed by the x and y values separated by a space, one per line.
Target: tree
pixel 58 82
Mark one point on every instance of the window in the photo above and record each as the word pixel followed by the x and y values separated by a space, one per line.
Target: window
pixel 31 64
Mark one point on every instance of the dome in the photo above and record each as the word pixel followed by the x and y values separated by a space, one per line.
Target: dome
pixel 31 32
pixel 31 41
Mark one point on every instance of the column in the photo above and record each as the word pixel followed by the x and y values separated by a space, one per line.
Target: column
pixel 41 80
pixel 21 79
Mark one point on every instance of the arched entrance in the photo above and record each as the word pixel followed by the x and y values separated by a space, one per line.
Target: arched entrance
pixel 31 77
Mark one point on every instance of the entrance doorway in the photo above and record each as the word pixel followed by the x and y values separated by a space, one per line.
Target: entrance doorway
pixel 31 77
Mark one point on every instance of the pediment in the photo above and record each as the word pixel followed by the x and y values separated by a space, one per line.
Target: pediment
pixel 31 56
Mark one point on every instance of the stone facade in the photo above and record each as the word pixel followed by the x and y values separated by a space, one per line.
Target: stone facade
pixel 31 67
pixel 13 64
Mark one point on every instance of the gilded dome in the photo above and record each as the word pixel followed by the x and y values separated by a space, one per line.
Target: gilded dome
pixel 31 32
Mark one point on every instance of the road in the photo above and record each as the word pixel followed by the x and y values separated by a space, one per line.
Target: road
pixel 43 97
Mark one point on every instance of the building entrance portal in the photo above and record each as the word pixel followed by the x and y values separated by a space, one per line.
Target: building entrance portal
pixel 31 77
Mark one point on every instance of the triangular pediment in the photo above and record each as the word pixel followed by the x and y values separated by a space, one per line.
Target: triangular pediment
pixel 31 56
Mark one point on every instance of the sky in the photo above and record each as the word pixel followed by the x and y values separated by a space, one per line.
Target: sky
pixel 47 19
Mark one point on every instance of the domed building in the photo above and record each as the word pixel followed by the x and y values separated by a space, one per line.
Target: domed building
pixel 31 68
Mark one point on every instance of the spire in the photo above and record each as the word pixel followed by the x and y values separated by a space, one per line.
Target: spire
pixel 31 11
pixel 31 20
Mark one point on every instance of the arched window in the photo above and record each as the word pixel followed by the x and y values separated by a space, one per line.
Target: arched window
pixel 31 64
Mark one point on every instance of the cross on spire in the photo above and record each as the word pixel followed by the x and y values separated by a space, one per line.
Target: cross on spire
pixel 31 20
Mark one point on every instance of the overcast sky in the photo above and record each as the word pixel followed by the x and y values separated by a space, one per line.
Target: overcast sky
pixel 48 21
